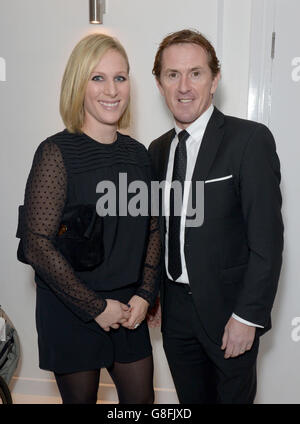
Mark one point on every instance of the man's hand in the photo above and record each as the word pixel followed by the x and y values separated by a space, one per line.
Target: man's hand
pixel 237 338
pixel 114 314
pixel 138 311
pixel 154 315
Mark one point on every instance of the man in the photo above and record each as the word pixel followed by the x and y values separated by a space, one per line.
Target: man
pixel 221 277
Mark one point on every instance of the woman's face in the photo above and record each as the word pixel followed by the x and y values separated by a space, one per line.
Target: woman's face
pixel 107 93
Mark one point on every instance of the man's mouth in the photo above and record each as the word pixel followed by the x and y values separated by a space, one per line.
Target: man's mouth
pixel 185 100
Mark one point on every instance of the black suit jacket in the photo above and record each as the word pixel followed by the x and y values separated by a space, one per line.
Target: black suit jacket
pixel 234 258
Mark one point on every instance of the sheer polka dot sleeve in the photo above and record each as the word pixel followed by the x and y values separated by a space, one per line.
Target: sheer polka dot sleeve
pixel 45 197
pixel 152 266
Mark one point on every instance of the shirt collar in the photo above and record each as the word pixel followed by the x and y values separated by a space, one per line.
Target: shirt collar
pixel 197 128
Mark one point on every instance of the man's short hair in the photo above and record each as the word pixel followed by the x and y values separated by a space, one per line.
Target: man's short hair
pixel 191 37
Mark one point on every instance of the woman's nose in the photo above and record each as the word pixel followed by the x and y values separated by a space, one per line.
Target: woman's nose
pixel 111 88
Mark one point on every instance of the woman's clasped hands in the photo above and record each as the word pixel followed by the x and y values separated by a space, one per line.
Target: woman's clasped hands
pixel 117 313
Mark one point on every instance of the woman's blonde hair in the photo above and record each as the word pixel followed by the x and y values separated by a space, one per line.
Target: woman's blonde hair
pixel 84 57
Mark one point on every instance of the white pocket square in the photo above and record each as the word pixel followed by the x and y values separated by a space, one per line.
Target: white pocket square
pixel 219 179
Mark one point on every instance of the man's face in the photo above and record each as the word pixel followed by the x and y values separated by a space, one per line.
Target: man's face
pixel 186 82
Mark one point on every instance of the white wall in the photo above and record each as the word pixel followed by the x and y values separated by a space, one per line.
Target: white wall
pixel 36 38
pixel 277 104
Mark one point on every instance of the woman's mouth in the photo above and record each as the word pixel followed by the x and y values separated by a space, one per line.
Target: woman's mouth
pixel 109 105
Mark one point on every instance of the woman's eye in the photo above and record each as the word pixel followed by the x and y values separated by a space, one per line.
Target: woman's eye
pixel 97 78
pixel 120 78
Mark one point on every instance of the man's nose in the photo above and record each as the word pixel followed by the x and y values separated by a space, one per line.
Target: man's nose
pixel 184 84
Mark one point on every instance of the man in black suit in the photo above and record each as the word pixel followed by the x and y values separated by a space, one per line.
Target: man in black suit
pixel 221 276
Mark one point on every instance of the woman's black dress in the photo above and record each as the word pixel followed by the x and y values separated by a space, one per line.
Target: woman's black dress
pixel 67 169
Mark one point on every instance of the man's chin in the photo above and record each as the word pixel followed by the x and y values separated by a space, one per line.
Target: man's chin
pixel 184 122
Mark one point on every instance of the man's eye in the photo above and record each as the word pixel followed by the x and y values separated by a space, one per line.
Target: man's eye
pixel 172 75
pixel 196 74
pixel 97 78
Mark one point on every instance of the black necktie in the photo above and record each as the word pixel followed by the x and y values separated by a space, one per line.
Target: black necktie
pixel 179 171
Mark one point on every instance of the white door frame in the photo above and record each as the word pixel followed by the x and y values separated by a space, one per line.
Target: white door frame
pixel 220 28
pixel 261 61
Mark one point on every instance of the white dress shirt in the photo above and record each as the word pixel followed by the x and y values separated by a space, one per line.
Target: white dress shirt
pixel 196 131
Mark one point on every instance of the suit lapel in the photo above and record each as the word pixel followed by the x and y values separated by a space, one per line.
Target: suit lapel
pixel 210 144
pixel 165 152
pixel 164 160
pixel 211 141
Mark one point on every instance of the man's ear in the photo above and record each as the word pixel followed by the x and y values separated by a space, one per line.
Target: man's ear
pixel 162 92
pixel 215 83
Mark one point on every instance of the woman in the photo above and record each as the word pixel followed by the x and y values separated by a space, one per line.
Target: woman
pixel 88 320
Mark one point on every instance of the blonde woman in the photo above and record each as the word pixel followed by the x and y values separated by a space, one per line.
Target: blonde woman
pixel 88 320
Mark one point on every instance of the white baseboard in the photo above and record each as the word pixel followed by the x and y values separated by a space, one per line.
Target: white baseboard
pixel 44 387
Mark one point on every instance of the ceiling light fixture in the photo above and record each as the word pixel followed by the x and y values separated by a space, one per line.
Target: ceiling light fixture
pixel 97 8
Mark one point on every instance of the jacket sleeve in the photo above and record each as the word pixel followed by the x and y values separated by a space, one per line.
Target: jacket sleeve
pixel 45 197
pixel 261 207
pixel 152 267
pixel 151 276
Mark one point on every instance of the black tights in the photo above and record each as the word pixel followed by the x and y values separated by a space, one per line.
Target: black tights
pixel 133 381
